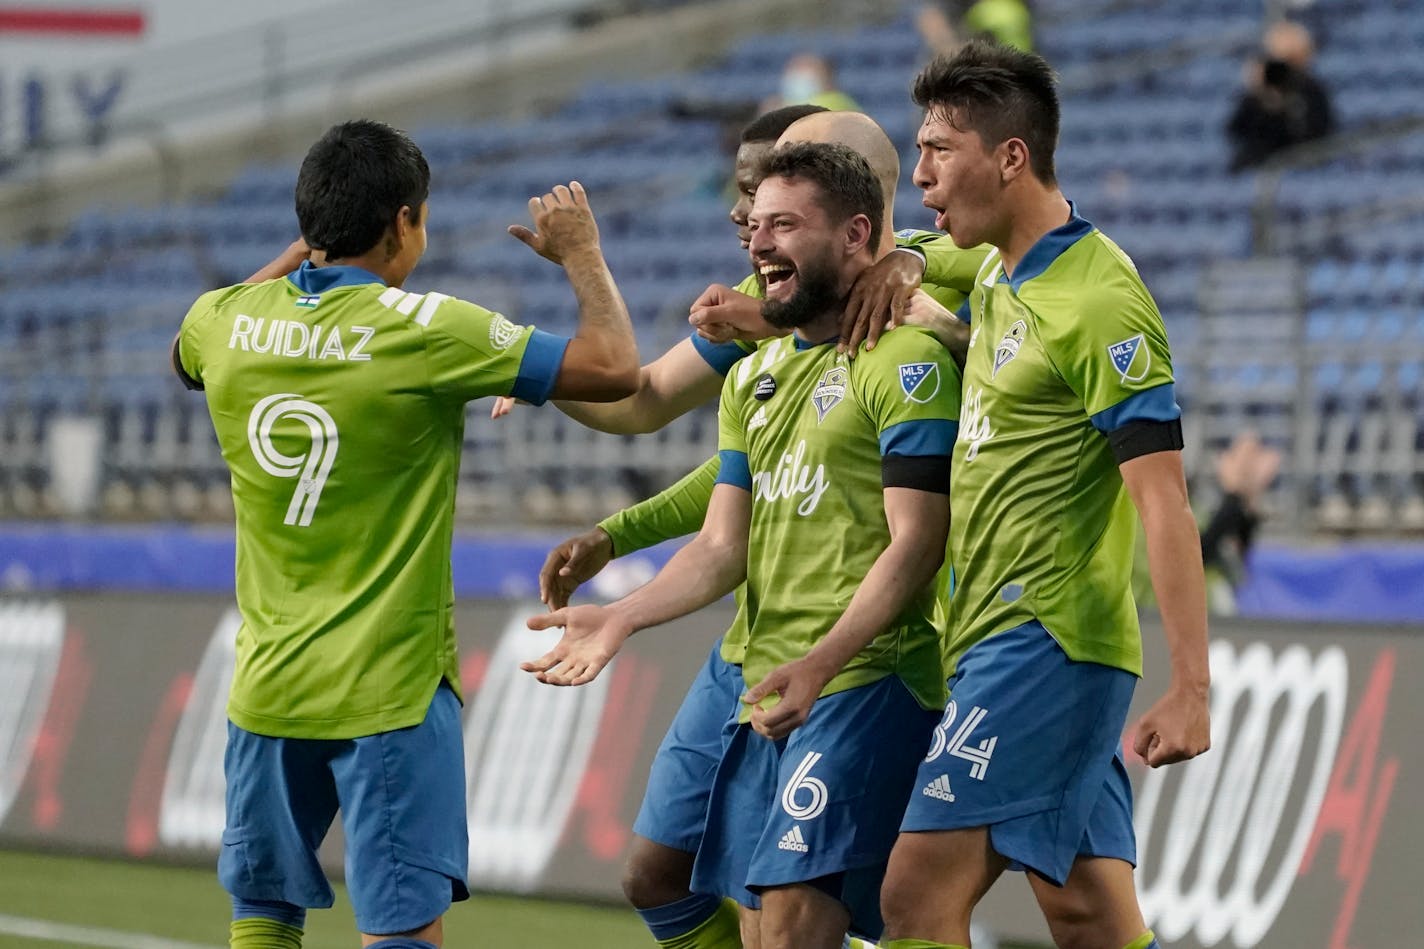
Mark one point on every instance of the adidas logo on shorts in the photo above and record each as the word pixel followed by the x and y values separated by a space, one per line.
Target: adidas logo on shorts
pixel 939 789
pixel 792 840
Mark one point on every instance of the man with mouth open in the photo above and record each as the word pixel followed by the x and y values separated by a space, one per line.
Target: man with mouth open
pixel 1071 431
pixel 842 652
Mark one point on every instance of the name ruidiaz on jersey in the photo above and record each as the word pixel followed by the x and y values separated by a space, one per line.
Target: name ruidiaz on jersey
pixel 297 340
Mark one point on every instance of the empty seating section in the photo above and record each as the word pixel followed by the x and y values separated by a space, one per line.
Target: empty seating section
pixel 1318 347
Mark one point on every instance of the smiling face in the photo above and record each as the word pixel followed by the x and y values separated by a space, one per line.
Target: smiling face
pixel 961 179
pixel 747 174
pixel 795 252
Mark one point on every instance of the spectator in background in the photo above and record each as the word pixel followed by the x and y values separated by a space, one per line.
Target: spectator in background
pixel 810 79
pixel 1283 104
pixel 947 24
pixel 1244 472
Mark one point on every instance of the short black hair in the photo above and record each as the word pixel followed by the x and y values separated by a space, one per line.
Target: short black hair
pixel 847 184
pixel 353 183
pixel 1001 93
pixel 769 126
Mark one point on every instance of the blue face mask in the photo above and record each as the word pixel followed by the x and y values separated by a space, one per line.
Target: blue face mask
pixel 800 86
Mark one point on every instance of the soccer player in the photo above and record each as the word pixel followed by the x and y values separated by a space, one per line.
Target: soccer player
pixel 1070 422
pixel 668 829
pixel 842 652
pixel 339 402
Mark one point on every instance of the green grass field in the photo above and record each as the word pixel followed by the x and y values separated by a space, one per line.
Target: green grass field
pixel 48 901
pixel 83 902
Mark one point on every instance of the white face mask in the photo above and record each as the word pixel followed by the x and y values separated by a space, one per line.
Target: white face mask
pixel 800 85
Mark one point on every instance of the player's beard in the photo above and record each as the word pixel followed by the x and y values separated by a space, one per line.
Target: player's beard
pixel 815 295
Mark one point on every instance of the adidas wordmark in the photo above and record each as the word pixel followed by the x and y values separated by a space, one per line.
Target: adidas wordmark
pixel 792 840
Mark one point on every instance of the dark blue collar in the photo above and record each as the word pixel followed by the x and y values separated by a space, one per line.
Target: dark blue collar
pixel 1048 248
pixel 311 279
pixel 805 344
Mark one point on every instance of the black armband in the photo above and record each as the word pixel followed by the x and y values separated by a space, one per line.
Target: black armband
pixel 1136 439
pixel 188 381
pixel 921 472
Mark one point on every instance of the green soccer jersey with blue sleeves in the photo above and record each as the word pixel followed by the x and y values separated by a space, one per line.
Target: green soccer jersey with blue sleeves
pixel 677 511
pixel 806 437
pixel 1067 351
pixel 339 405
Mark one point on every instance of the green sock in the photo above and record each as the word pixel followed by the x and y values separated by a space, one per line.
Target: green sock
pixel 916 944
pixel 1145 941
pixel 721 930
pixel 256 932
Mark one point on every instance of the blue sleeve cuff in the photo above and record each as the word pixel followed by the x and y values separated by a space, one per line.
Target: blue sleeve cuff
pixel 733 469
pixel 539 369
pixel 720 356
pixel 965 312
pixel 1157 404
pixel 920 437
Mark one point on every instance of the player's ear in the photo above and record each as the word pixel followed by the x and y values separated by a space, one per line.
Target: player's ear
pixel 407 220
pixel 1013 159
pixel 857 233
pixel 401 230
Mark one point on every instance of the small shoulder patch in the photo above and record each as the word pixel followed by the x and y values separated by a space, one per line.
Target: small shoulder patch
pixel 1131 358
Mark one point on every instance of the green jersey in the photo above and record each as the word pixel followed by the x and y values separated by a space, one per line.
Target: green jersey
pixel 1068 351
pixel 807 436
pixel 681 508
pixel 339 404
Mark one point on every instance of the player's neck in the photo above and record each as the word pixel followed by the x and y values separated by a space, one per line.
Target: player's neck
pixel 377 264
pixel 1038 211
pixel 822 328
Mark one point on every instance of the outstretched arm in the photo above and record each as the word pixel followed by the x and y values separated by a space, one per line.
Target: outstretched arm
pixel 601 362
pixel 674 512
pixel 669 387
pixel 708 568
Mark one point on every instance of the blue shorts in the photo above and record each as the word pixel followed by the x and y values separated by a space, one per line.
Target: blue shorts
pixel 402 800
pixel 1030 747
pixel 675 803
pixel 824 801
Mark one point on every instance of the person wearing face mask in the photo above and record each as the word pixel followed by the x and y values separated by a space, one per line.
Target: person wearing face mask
pixel 811 79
